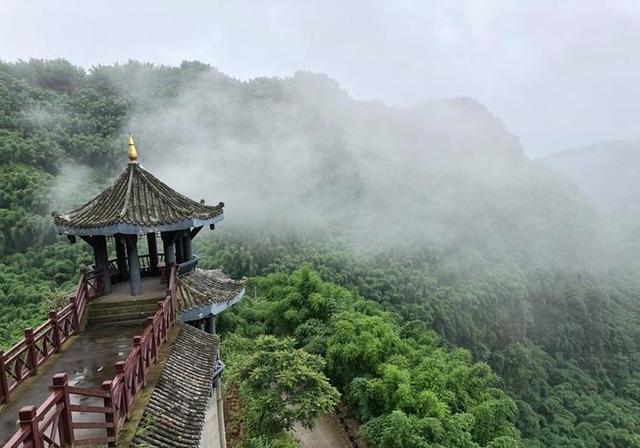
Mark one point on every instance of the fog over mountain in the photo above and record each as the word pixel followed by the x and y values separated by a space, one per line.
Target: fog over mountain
pixel 607 172
pixel 431 212
pixel 559 74
pixel 299 153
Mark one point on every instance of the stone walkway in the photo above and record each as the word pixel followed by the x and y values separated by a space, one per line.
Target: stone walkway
pixel 327 434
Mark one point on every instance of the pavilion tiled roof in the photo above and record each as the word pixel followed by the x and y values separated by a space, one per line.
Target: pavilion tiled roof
pixel 207 287
pixel 175 414
pixel 136 203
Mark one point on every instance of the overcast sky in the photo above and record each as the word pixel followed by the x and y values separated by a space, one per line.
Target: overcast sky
pixel 559 74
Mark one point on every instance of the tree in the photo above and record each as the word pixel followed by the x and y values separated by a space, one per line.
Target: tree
pixel 283 385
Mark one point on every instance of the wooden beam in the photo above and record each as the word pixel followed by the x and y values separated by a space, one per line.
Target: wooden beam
pixel 88 239
pixel 195 231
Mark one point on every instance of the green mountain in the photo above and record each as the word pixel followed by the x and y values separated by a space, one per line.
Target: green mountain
pixel 431 236
pixel 606 172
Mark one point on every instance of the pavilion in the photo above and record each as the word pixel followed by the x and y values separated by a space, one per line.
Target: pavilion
pixel 138 204
pixel 177 301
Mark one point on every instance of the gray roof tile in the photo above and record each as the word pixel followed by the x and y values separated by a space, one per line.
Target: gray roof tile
pixel 139 201
pixel 207 287
pixel 175 414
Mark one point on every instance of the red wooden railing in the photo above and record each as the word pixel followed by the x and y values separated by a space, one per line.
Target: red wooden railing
pixel 61 421
pixel 23 359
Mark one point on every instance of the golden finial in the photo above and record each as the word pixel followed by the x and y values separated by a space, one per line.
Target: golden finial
pixel 133 154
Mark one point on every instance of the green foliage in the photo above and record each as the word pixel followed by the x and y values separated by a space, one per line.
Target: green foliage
pixel 282 441
pixel 580 394
pixel 410 390
pixel 282 385
pixel 549 322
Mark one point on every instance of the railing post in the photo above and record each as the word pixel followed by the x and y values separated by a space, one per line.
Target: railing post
pixel 154 345
pixel 143 373
pixel 163 324
pixel 60 382
pixel 4 384
pixel 76 319
pixel 112 433
pixel 85 285
pixel 29 422
pixel 32 354
pixel 125 388
pixel 53 317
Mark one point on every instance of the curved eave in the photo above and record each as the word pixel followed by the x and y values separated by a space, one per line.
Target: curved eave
pixel 198 312
pixel 133 229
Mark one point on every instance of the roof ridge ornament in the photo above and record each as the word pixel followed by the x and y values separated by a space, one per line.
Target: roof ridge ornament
pixel 133 153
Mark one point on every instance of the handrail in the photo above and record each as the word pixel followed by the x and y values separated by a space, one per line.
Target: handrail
pixel 186 267
pixel 54 424
pixel 144 261
pixel 23 359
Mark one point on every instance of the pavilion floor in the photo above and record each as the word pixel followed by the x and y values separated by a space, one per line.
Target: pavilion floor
pixel 88 359
pixel 152 287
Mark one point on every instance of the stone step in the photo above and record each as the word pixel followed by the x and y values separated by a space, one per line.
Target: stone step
pixel 125 308
pixel 105 314
pixel 120 323
pixel 118 318
pixel 125 303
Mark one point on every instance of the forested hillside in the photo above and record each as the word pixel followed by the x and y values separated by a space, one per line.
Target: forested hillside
pixel 455 293
pixel 607 172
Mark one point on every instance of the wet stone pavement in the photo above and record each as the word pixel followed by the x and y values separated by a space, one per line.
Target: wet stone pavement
pixel 88 360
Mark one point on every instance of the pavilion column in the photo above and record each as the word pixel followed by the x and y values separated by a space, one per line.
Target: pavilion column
pixel 152 243
pixel 179 248
pixel 135 282
pixel 210 324
pixel 186 246
pixel 121 256
pixel 102 262
pixel 168 242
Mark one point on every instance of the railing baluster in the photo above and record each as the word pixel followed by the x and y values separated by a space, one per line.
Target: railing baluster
pixel 32 355
pixel 53 317
pixel 4 382
pixel 125 388
pixel 109 403
pixel 137 344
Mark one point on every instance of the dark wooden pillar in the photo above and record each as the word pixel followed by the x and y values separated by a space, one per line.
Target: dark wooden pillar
pixel 188 253
pixel 135 282
pixel 152 243
pixel 121 257
pixel 179 248
pixel 168 242
pixel 65 431
pixel 29 424
pixel 102 262
pixel 210 324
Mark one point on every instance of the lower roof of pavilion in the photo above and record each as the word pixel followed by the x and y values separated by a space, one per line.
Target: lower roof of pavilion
pixel 137 203
pixel 176 411
pixel 207 292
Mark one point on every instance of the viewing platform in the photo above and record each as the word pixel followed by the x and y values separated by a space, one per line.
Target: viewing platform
pixel 117 340
pixel 88 359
